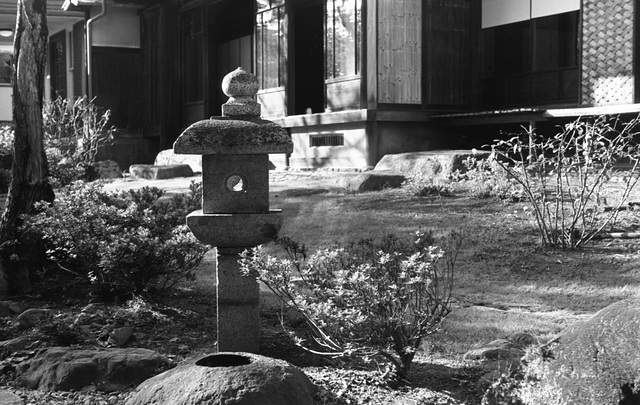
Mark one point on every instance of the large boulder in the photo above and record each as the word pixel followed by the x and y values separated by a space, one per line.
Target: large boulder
pixel 373 181
pixel 227 378
pixel 167 157
pixel 60 368
pixel 593 362
pixel 435 163
pixel 152 172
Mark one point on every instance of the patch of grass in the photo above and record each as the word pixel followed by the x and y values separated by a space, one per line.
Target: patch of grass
pixel 501 263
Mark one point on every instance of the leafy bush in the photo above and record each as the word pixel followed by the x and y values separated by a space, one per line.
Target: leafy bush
pixel 420 185
pixel 6 138
pixel 371 298
pixel 564 176
pixel 122 243
pixel 74 132
pixel 77 128
pixel 484 178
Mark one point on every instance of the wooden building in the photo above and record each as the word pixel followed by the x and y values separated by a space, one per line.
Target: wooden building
pixel 352 80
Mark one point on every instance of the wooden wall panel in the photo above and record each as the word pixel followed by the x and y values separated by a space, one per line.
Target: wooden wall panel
pixel 399 51
pixel 447 52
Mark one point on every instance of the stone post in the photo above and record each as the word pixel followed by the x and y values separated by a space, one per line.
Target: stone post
pixel 235 211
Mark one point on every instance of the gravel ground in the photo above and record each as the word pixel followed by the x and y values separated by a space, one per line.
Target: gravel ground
pixel 36 397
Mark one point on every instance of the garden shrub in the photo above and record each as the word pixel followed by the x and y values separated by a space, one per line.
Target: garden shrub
pixel 121 243
pixel 420 185
pixel 484 178
pixel 564 176
pixel 74 132
pixel 370 299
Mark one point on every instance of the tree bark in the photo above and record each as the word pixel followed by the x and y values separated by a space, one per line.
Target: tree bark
pixel 29 183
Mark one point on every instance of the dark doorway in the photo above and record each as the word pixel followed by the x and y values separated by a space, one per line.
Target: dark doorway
pixel 309 58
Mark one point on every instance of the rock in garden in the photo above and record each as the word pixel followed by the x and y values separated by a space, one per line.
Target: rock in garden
pixel 60 368
pixel 152 172
pixel 374 181
pixel 167 157
pixel 120 336
pixel 107 169
pixel 501 356
pixel 33 317
pixel 10 308
pixel 8 347
pixel 592 362
pixel 232 378
pixel 435 163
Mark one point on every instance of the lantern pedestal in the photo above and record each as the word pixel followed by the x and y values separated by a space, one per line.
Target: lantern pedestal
pixel 235 211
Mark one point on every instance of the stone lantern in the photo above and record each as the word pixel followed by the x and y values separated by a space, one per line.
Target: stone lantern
pixel 235 211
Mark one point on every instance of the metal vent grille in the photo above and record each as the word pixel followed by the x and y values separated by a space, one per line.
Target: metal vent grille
pixel 326 140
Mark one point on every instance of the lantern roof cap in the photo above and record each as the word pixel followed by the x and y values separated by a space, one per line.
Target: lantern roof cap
pixel 233 136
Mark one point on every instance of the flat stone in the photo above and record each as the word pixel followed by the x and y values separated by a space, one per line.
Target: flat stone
pixel 235 230
pixel 153 172
pixel 435 163
pixel 374 181
pixel 10 308
pixel 500 357
pixel 227 378
pixel 11 346
pixel 61 368
pixel 33 317
pixel 167 157
pixel 229 136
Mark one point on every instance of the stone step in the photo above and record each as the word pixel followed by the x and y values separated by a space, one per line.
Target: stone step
pixel 159 172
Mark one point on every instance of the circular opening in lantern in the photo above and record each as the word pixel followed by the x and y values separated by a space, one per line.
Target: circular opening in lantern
pixel 236 184
pixel 223 360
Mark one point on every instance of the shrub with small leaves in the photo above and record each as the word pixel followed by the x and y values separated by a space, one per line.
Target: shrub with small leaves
pixel 564 176
pixel 420 185
pixel 371 299
pixel 485 178
pixel 122 243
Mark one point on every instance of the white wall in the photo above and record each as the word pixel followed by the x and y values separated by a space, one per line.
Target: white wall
pixel 5 103
pixel 501 12
pixel 120 27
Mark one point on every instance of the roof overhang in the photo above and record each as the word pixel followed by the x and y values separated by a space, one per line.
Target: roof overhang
pixel 523 115
pixel 81 5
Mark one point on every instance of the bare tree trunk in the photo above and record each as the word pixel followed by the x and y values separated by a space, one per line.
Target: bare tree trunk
pixel 29 172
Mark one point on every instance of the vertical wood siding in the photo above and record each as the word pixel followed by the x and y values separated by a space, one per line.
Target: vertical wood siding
pixel 399 51
pixel 447 52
